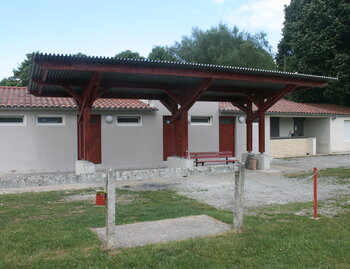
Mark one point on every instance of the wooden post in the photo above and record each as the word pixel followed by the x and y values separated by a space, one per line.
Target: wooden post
pixel 261 131
pixel 110 210
pixel 315 193
pixel 238 208
pixel 181 135
pixel 249 126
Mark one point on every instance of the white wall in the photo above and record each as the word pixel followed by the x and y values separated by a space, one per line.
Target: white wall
pixel 204 137
pixel 34 147
pixel 132 146
pixel 319 128
pixel 339 142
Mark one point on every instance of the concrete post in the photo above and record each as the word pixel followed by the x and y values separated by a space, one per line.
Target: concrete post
pixel 110 209
pixel 238 208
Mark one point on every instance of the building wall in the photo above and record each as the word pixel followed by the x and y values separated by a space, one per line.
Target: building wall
pixel 132 146
pixel 319 128
pixel 34 147
pixel 204 137
pixel 292 147
pixel 339 140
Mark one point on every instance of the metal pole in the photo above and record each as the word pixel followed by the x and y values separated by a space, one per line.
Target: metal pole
pixel 238 207
pixel 110 209
pixel 315 193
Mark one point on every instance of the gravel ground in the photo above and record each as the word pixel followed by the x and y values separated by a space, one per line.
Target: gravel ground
pixel 261 187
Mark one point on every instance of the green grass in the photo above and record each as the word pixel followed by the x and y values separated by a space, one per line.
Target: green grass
pixel 40 230
pixel 339 175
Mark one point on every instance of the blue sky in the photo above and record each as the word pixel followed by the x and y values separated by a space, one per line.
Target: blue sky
pixel 106 27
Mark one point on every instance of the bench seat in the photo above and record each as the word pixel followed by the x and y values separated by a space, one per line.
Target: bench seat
pixel 212 157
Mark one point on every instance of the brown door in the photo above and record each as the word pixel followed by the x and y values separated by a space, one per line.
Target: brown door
pixel 96 138
pixel 226 134
pixel 168 129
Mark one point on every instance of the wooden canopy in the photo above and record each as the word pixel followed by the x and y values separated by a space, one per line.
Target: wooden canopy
pixel 176 85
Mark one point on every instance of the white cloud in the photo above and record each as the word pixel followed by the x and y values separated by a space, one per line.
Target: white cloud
pixel 262 14
pixel 265 15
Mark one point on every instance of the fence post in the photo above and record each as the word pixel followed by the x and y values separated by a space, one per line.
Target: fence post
pixel 238 207
pixel 110 209
pixel 315 193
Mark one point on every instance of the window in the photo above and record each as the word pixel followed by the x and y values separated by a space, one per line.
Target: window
pixel 200 120
pixel 129 120
pixel 50 120
pixel 12 120
pixel 347 130
pixel 274 127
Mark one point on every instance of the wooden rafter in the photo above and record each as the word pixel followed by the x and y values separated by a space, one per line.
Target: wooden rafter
pixel 73 93
pixel 195 95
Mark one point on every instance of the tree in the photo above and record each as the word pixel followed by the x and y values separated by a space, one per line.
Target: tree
pixel 224 46
pixel 21 74
pixel 316 40
pixel 129 55
pixel 162 54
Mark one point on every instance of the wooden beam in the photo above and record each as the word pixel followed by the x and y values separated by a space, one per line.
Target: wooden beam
pixel 277 96
pixel 104 90
pixel 43 78
pixel 183 72
pixel 170 104
pixel 249 126
pixel 195 95
pixel 88 91
pixel 73 93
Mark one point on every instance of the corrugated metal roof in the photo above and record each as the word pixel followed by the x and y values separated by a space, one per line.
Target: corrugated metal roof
pixel 182 76
pixel 169 64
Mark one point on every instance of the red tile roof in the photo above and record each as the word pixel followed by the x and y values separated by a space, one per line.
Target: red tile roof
pixel 18 97
pixel 288 107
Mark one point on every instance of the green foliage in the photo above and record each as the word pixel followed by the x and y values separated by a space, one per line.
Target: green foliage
pixel 316 40
pixel 129 55
pixel 21 74
pixel 224 46
pixel 162 54
pixel 9 81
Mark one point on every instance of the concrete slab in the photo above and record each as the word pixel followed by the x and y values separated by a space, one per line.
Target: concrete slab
pixel 153 232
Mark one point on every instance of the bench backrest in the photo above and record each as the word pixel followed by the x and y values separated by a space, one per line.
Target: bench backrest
pixel 219 154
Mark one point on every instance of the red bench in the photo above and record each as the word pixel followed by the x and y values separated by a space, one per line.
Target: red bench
pixel 212 157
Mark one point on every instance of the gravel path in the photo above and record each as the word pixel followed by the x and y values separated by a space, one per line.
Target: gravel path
pixel 261 188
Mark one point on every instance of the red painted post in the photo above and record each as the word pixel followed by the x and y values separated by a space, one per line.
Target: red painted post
pixel 261 131
pixel 249 124
pixel 315 193
pixel 181 135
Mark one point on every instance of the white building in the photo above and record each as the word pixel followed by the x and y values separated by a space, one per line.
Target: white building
pixel 40 133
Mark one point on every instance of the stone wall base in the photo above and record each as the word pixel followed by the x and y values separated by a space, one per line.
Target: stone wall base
pixel 84 167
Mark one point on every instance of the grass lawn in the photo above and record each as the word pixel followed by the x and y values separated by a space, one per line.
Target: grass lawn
pixel 43 230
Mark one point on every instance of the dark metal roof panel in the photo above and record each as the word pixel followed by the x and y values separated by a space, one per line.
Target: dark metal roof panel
pixel 175 65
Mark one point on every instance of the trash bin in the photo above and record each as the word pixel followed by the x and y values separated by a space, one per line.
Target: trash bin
pixel 101 198
pixel 252 163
